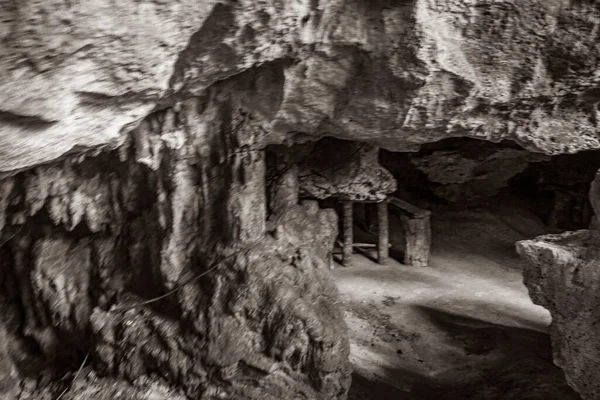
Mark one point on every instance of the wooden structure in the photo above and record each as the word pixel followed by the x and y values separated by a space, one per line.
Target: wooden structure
pixel 348 244
pixel 415 223
pixel 417 232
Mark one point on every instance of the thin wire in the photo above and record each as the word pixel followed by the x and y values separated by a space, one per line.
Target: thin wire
pixel 184 284
pixel 75 378
pixel 13 235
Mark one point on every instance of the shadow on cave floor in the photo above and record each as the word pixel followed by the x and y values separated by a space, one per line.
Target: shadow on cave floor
pixel 462 328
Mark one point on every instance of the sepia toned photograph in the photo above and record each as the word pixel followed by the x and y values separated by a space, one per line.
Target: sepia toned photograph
pixel 299 200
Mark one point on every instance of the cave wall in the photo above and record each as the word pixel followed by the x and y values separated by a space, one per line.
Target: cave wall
pixel 465 172
pixel 557 189
pixel 115 117
pixel 459 171
pixel 158 263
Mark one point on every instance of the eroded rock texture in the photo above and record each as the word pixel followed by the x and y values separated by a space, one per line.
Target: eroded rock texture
pixel 461 170
pixel 132 139
pixel 342 169
pixel 465 178
pixel 395 74
pixel 563 277
pixel 158 263
pixel 594 196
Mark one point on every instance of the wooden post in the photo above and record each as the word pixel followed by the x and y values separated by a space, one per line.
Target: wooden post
pixel 418 241
pixel 383 234
pixel 417 231
pixel 347 223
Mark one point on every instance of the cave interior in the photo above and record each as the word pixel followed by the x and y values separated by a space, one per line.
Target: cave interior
pixel 469 306
pixel 459 173
pixel 470 173
pixel 461 181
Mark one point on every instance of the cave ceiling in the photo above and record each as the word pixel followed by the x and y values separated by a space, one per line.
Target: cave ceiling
pixel 395 74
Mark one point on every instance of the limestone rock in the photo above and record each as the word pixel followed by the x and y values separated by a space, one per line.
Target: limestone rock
pixel 88 386
pixel 158 264
pixel 594 197
pixel 8 378
pixel 347 170
pixel 563 276
pixel 394 74
pixel 132 139
pixel 474 171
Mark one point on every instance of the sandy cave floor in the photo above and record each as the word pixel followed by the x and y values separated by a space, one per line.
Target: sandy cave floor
pixel 462 328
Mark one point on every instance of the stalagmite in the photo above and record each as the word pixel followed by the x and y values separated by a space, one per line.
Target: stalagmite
pixel 145 253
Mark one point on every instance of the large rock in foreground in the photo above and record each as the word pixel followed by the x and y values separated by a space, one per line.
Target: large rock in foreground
pixel 563 276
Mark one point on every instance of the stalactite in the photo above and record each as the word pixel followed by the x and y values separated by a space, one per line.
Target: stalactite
pixel 155 262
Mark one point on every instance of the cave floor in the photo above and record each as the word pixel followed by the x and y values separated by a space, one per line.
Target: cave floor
pixel 462 328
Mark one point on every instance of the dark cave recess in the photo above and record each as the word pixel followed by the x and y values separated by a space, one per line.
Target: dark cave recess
pixel 465 172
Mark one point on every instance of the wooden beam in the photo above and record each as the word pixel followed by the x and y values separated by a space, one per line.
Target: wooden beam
pixel 417 231
pixel 383 239
pixel 348 233
pixel 408 209
pixel 417 241
pixel 364 245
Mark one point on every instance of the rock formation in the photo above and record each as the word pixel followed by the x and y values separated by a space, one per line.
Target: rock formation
pixel 157 261
pixel 563 277
pixel 396 74
pixel 474 170
pixel 342 169
pixel 143 228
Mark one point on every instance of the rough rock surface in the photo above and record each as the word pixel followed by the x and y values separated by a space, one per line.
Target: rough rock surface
pixel 157 263
pixel 563 277
pixel 396 74
pixel 342 169
pixel 594 197
pixel 474 170
pixel 131 152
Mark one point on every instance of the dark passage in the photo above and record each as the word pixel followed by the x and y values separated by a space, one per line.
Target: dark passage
pixel 464 172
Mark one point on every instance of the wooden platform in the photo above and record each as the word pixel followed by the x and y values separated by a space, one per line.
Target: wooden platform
pixel 415 223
